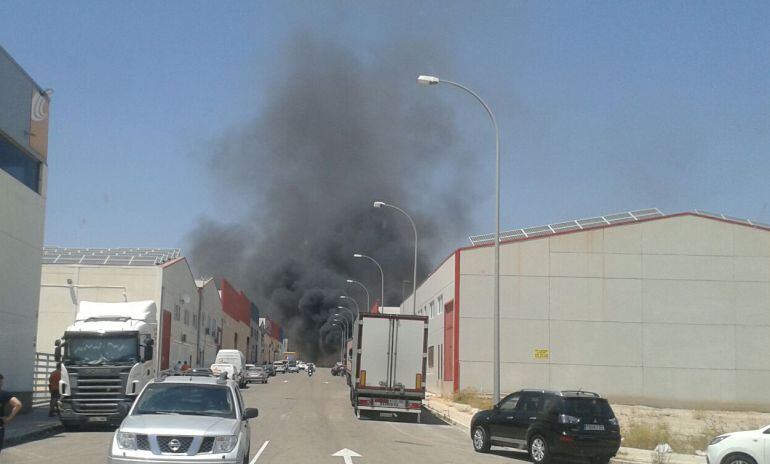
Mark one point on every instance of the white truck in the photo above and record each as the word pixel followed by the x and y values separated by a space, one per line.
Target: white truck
pixel 234 358
pixel 389 359
pixel 107 358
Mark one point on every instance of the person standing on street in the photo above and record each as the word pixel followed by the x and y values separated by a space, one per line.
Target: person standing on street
pixel 178 367
pixel 7 398
pixel 53 389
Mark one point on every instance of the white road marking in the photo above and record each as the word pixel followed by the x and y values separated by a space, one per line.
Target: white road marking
pixel 285 381
pixel 259 453
pixel 347 455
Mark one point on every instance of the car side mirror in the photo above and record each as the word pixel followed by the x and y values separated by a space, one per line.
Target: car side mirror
pixel 250 413
pixel 496 407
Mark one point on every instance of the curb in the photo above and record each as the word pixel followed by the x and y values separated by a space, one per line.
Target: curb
pixel 42 432
pixel 445 417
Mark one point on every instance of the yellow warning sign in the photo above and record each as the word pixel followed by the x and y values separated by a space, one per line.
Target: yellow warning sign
pixel 542 353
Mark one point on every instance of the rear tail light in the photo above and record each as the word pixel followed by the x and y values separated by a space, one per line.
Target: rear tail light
pixel 613 421
pixel 566 419
pixel 364 401
pixel 363 378
pixel 566 439
pixel 418 381
pixel 414 404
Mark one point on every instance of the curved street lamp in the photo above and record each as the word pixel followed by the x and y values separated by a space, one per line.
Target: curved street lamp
pixel 368 305
pixel 380 204
pixel 433 80
pixel 382 277
pixel 339 318
pixel 358 310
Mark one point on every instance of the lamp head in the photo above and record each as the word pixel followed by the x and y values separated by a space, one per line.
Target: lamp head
pixel 427 80
pixel 378 204
pixel 358 255
pixel 350 281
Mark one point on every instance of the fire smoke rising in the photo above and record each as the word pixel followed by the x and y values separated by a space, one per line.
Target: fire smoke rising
pixel 337 131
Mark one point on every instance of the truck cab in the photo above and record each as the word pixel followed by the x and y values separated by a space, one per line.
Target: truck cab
pixel 107 358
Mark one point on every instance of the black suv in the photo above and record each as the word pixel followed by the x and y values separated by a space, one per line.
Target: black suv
pixel 575 424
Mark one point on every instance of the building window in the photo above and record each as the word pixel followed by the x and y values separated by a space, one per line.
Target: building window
pixel 430 357
pixel 441 362
pixel 432 305
pixel 195 320
pixel 186 317
pixel 177 312
pixel 184 338
pixel 440 304
pixel 19 164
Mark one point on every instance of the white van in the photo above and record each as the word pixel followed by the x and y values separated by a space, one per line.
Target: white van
pixel 238 360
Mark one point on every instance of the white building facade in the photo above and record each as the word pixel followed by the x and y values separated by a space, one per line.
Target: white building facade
pixel 70 275
pixel 667 311
pixel 23 163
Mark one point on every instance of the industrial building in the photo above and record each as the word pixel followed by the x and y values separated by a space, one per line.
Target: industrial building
pixel 645 308
pixel 236 313
pixel 23 162
pixel 211 318
pixel 71 275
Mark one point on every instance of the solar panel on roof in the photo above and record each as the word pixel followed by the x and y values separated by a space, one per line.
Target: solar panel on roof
pixel 586 223
pixel 109 256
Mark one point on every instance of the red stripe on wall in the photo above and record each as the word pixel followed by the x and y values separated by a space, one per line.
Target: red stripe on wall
pixel 457 323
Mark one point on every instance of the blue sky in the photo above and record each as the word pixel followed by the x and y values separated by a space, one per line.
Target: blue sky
pixel 602 106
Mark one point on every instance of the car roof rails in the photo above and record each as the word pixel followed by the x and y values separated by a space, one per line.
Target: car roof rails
pixel 582 393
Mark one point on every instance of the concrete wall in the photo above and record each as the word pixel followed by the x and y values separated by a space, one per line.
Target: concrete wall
pixel 179 289
pixel 232 327
pixel 58 308
pixel 672 312
pixel 211 318
pixel 21 241
pixel 440 286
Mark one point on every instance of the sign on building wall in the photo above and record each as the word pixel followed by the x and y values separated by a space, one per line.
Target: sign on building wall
pixel 542 353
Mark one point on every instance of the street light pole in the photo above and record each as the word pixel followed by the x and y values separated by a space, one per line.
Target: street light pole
pixel 380 204
pixel 368 306
pixel 358 310
pixel 352 316
pixel 342 338
pixel 382 277
pixel 432 80
pixel 337 317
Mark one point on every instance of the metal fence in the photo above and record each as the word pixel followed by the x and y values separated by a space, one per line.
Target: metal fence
pixel 44 365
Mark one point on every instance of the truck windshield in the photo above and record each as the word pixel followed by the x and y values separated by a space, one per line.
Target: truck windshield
pixel 102 350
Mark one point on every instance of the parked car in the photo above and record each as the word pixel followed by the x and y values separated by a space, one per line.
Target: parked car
pixel 301 365
pixel 185 419
pixel 750 447
pixel 338 368
pixel 256 374
pixel 280 367
pixel 572 424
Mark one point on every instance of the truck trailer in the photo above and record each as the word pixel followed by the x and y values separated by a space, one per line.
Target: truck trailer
pixel 107 357
pixel 389 357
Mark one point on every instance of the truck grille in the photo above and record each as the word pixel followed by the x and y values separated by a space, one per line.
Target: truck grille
pixel 98 391
pixel 166 444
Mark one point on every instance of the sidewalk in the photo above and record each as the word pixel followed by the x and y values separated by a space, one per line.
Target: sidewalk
pixel 460 415
pixel 31 426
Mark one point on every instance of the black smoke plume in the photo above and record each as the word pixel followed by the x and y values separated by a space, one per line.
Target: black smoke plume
pixel 339 130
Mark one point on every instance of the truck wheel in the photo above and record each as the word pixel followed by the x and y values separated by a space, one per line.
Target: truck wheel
pixel 480 440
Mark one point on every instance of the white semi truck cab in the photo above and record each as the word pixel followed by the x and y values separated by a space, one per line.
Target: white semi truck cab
pixel 107 358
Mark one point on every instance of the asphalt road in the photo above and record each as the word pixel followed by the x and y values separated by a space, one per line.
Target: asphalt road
pixel 301 420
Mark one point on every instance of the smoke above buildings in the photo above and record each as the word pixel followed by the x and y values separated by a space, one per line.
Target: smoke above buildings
pixel 339 129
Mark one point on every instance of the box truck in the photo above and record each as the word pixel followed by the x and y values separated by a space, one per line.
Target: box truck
pixel 107 357
pixel 389 359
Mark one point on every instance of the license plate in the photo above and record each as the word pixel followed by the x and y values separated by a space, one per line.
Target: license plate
pixel 395 404
pixel 594 427
pixel 97 419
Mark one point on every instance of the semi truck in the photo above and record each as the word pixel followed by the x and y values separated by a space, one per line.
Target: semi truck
pixel 389 357
pixel 107 357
